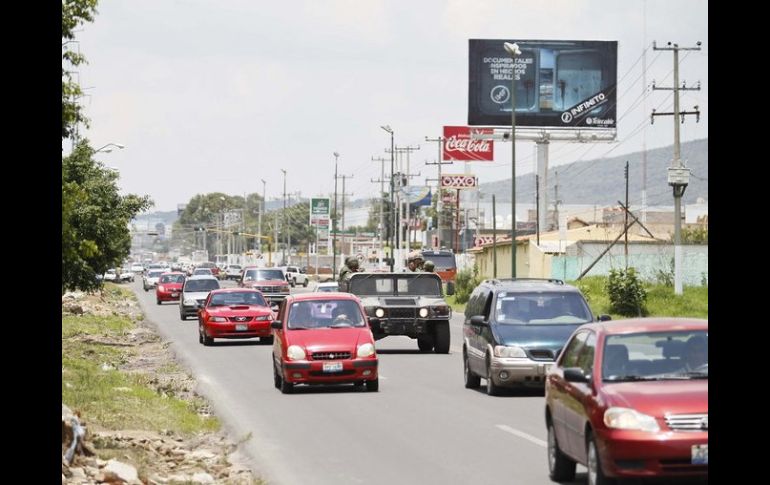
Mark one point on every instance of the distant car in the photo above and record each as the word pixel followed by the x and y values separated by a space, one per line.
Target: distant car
pixel 208 264
pixel 202 271
pixel 111 275
pixel 235 313
pixel 233 271
pixel 169 287
pixel 150 278
pixel 137 268
pixel 629 399
pixel 125 275
pixel 323 339
pixel 514 330
pixel 329 286
pixel 194 293
pixel 270 281
pixel 294 276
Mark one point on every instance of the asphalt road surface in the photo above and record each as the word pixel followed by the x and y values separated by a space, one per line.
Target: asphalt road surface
pixel 422 427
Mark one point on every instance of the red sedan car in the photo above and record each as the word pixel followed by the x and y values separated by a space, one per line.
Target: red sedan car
pixel 629 398
pixel 234 313
pixel 169 287
pixel 323 338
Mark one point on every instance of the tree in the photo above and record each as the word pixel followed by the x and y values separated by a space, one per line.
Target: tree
pixel 74 13
pixel 95 219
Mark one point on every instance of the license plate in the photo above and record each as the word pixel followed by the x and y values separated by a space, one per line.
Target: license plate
pixel 332 366
pixel 241 326
pixel 700 454
pixel 174 295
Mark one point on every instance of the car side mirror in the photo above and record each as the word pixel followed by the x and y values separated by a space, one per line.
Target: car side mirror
pixel 604 317
pixel 373 320
pixel 276 324
pixel 479 320
pixel 450 288
pixel 575 374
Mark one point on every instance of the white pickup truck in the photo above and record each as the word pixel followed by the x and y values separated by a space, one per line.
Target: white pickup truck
pixel 295 277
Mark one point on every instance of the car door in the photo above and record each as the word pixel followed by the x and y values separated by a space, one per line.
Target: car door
pixel 578 400
pixel 559 389
pixel 470 332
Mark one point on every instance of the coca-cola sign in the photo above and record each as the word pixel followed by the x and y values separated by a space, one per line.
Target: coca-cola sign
pixel 458 144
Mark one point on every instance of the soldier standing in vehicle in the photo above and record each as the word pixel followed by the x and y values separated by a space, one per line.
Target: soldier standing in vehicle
pixel 351 266
pixel 429 267
pixel 414 262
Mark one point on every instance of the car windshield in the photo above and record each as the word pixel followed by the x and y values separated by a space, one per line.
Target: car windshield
pixel 237 298
pixel 421 284
pixel 541 308
pixel 172 278
pixel 648 356
pixel 329 288
pixel 264 275
pixel 201 271
pixel 154 274
pixel 233 267
pixel 325 314
pixel 442 262
pixel 201 285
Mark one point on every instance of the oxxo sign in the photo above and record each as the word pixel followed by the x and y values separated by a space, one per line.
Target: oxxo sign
pixel 458 181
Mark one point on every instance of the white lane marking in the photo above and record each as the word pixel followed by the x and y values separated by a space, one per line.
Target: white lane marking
pixel 522 434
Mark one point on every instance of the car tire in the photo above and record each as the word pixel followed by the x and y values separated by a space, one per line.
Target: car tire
pixel 304 284
pixel 266 340
pixel 595 474
pixel 293 283
pixel 560 467
pixel 441 341
pixel 472 381
pixel 200 336
pixel 146 289
pixel 182 316
pixel 286 386
pixel 157 300
pixel 207 341
pixel 425 343
pixel 492 388
pixel 373 386
pixel 276 377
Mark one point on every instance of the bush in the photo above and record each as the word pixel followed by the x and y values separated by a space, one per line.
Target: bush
pixel 627 295
pixel 465 282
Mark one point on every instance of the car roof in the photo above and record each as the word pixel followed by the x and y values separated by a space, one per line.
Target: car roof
pixel 236 290
pixel 651 324
pixel 331 295
pixel 202 277
pixel 526 285
pixel 173 272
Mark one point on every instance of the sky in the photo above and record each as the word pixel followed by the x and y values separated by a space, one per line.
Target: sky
pixel 216 96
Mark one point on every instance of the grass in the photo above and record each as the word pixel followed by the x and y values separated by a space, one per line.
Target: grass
pixel 661 300
pixel 113 399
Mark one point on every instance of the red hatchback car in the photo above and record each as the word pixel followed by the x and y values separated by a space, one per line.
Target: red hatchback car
pixel 323 338
pixel 629 398
pixel 235 313
pixel 169 287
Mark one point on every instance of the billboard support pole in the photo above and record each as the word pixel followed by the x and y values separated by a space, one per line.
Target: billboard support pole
pixel 542 170
pixel 513 50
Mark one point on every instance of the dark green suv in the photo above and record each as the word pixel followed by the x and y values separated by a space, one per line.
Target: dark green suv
pixel 515 328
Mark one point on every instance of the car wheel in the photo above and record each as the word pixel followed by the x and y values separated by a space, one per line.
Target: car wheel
pixel 206 339
pixel 182 316
pixel 157 300
pixel 146 289
pixel 266 340
pixel 441 330
pixel 286 386
pixel 276 377
pixel 560 467
pixel 595 473
pixel 293 283
pixel 200 335
pixel 304 284
pixel 373 386
pixel 492 388
pixel 425 343
pixel 472 381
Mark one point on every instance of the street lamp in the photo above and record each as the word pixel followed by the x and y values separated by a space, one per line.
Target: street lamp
pixel 286 227
pixel 260 214
pixel 334 221
pixel 513 50
pixel 106 149
pixel 392 218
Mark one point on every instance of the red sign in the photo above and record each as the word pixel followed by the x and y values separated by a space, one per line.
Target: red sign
pixel 458 144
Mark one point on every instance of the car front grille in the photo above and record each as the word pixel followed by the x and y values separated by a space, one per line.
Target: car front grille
pixel 399 301
pixel 541 354
pixel 240 319
pixel 331 355
pixel 688 422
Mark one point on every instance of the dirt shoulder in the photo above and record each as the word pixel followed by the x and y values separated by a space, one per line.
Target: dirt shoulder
pixel 130 413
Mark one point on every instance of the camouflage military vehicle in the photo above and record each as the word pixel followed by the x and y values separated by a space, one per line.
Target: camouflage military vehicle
pixel 410 304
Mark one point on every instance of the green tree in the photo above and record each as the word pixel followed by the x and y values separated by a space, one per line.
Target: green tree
pixel 95 219
pixel 74 13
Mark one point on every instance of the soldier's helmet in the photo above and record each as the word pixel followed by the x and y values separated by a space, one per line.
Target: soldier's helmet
pixel 414 256
pixel 429 266
pixel 352 262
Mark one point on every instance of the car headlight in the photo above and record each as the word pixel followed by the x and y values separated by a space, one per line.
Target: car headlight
pixel 423 312
pixel 509 351
pixel 295 352
pixel 379 312
pixel 627 418
pixel 190 302
pixel 161 288
pixel 217 319
pixel 365 350
pixel 262 317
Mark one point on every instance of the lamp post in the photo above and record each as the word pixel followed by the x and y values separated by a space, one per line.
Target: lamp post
pixel 284 217
pixel 106 149
pixel 392 218
pixel 334 221
pixel 262 209
pixel 513 50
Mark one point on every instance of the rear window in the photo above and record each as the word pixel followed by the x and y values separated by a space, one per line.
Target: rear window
pixel 201 285
pixel 263 275
pixel 442 262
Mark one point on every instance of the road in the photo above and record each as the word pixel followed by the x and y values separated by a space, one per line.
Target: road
pixel 422 427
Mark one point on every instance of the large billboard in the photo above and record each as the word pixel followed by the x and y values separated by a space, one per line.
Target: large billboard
pixel 558 83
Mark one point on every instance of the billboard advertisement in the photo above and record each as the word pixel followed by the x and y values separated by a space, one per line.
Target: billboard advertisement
pixel 320 210
pixel 458 144
pixel 558 83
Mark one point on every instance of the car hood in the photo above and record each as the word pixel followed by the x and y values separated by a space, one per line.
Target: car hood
pixel 658 398
pixel 269 283
pixel 239 310
pixel 552 337
pixel 330 339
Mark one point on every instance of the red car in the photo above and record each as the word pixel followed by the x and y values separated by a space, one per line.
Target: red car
pixel 169 287
pixel 235 313
pixel 323 338
pixel 629 398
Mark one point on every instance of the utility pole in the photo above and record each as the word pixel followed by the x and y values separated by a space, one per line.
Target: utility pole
pixel 388 129
pixel 678 174
pixel 556 200
pixel 407 150
pixel 439 205
pixel 285 223
pixel 381 254
pixel 334 221
pixel 537 208
pixel 261 210
pixel 625 222
pixel 343 177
